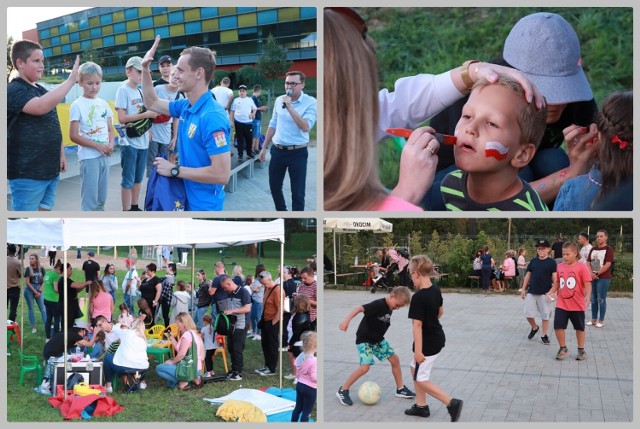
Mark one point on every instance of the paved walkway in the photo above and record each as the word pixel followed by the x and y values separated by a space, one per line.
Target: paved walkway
pixel 252 194
pixel 489 363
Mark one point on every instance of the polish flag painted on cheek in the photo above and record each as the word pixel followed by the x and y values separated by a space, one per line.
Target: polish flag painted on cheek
pixel 496 150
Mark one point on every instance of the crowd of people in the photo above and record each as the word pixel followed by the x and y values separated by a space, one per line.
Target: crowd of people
pixel 528 133
pixel 115 331
pixel 175 124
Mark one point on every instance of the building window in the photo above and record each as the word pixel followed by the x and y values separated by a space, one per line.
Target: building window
pixel 106 19
pixel 132 25
pixel 288 14
pixel 133 37
pixel 44 33
pixel 210 25
pixel 144 11
pixel 74 37
pixel 107 29
pixel 118 16
pixel 227 22
pixel 119 27
pixel 176 17
pixel 146 22
pixel 55 40
pixel 85 34
pixel 83 24
pixel 158 10
pixel 64 39
pixel 247 20
pixel 47 52
pixel 131 13
pixel 228 36
pixel 96 32
pixel 227 11
pixel 246 9
pixel 160 20
pixel 192 14
pixel 94 21
pixel 267 17
pixel 208 12
pixel 307 12
pixel 162 31
pixel 62 29
pixel 148 34
pixel 176 30
pixel 193 27
pixel 108 41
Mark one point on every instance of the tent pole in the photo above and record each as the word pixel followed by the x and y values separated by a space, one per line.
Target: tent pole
pixel 335 263
pixel 281 308
pixel 193 276
pixel 23 298
pixel 64 326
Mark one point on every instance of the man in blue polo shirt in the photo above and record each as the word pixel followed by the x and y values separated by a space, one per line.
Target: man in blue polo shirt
pixel 294 114
pixel 203 132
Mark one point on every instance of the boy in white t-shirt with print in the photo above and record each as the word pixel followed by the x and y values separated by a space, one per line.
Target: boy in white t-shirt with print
pixel 91 128
pixel 243 110
pixel 130 285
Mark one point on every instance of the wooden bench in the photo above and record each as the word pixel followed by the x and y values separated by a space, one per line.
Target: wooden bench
pixel 236 167
pixel 441 278
pixel 474 280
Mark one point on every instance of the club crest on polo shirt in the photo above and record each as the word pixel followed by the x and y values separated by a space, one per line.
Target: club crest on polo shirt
pixel 192 130
pixel 220 138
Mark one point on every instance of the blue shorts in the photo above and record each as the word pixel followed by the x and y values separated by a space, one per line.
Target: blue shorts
pixel 368 351
pixel 257 128
pixel 31 195
pixel 133 162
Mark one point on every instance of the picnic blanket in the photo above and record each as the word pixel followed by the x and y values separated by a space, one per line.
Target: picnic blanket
pixel 72 407
pixel 268 403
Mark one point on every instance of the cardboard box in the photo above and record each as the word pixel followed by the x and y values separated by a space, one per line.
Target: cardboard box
pixel 91 372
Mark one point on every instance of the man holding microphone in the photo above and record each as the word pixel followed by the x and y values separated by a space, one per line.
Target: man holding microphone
pixel 294 114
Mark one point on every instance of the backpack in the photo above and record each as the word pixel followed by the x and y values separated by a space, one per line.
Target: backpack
pixel 139 127
pixel 225 323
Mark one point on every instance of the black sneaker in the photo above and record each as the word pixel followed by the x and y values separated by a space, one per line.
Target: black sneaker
pixel 415 410
pixel 545 340
pixel 234 376
pixel 454 408
pixel 259 370
pixel 533 332
pixel 343 396
pixel 404 392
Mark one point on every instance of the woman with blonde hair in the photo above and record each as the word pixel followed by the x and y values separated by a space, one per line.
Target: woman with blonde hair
pixel 353 118
pixel 188 334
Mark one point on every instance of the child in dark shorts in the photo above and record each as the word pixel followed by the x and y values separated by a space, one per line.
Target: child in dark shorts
pixel 371 342
pixel 573 284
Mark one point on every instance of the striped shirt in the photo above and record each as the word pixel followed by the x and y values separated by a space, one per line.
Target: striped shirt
pixel 454 193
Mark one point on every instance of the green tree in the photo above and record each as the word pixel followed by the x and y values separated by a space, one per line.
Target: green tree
pixel 273 61
pixel 249 76
pixel 458 262
pixel 89 54
pixel 9 62
pixel 415 246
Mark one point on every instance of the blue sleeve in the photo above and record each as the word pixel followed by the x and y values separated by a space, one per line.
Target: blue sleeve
pixel 216 133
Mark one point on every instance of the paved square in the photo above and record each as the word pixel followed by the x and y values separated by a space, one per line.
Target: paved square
pixel 489 363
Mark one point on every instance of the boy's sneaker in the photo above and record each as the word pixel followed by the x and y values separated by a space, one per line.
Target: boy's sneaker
pixel 454 408
pixel 582 355
pixel 143 385
pixel 234 376
pixel 343 396
pixel 533 332
pixel 267 372
pixel 249 332
pixel 415 410
pixel 404 392
pixel 545 340
pixel 259 370
pixel 257 337
pixel 562 353
pixel 289 377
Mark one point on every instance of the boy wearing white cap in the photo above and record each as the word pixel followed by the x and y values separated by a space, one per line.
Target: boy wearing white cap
pixel 243 110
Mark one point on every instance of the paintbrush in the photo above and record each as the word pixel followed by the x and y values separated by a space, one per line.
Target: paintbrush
pixel 404 132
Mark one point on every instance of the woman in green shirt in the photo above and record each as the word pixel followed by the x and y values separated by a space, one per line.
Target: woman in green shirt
pixel 51 300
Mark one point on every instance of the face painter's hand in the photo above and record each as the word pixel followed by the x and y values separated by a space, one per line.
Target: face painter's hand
pixel 582 143
pixel 418 164
pixel 491 72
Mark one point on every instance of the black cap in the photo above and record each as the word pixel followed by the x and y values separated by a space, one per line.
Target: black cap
pixel 242 87
pixel 165 59
pixel 542 243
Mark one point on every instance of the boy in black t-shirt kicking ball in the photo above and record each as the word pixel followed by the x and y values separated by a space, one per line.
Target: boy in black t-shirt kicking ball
pixel 425 312
pixel 371 342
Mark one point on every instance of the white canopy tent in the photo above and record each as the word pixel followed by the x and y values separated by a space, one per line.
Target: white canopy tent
pixel 67 232
pixel 351 225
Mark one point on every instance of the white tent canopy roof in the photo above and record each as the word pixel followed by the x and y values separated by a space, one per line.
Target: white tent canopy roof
pixel 69 232
pixel 357 224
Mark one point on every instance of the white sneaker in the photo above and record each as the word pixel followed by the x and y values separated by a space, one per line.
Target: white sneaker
pixel 109 389
pixel 599 325
pixel 295 381
pixel 34 330
pixel 289 377
pixel 257 337
pixel 249 332
pixel 590 323
pixel 143 385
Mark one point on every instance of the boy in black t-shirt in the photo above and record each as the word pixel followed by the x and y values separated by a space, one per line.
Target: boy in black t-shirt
pixel 540 276
pixel 371 342
pixel 425 312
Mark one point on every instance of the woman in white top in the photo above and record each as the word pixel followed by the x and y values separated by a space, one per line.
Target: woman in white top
pixel 131 355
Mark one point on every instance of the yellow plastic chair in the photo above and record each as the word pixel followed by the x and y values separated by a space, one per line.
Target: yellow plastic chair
pixel 29 363
pixel 156 331
pixel 222 349
pixel 174 329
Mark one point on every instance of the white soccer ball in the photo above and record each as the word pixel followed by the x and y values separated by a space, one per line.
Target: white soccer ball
pixel 369 393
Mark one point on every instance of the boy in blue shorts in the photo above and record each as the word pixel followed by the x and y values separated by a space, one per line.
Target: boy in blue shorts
pixel 573 285
pixel 91 128
pixel 35 150
pixel 371 342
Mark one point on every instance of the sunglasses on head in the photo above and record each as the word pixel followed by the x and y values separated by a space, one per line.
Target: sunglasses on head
pixel 354 17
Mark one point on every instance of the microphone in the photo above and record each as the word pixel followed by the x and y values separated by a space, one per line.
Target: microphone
pixel 289 92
